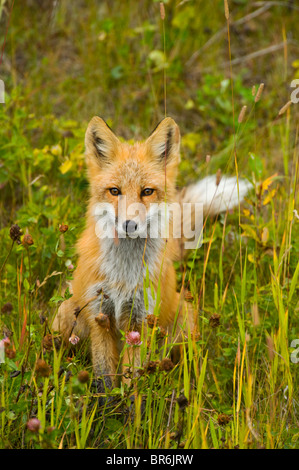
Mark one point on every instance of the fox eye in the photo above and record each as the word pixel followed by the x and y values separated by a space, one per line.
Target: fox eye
pixel 114 191
pixel 147 192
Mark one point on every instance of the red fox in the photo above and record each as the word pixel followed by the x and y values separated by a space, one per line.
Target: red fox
pixel 116 252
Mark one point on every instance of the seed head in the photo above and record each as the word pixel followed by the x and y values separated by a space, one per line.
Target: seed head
pixel 15 233
pixel 33 425
pixel 259 92
pixel 284 108
pixel 162 11
pixel 151 366
pixel 218 177
pixel 7 308
pixel 83 376
pixel 182 401
pixel 10 353
pixel 226 10
pixel 255 314
pixel 63 228
pixel 42 368
pixel 215 320
pixel 166 364
pixel 47 342
pixel 27 240
pixel 161 332
pixel 242 114
pixel 270 346
pixel 223 419
pixel 152 320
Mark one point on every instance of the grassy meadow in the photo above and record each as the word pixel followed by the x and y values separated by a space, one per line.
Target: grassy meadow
pixel 63 62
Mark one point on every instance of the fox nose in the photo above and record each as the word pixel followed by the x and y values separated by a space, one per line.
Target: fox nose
pixel 130 226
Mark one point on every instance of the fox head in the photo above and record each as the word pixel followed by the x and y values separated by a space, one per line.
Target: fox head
pixel 130 183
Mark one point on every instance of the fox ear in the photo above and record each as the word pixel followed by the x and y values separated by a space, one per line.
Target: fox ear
pixel 100 142
pixel 164 142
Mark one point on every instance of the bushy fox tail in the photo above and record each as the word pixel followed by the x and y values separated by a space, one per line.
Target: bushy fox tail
pixel 214 197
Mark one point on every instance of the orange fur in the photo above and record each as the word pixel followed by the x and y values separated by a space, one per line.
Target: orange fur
pixel 130 168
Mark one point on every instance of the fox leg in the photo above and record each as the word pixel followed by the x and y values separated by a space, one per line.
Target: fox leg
pixel 131 316
pixel 105 356
pixel 104 339
pixel 131 357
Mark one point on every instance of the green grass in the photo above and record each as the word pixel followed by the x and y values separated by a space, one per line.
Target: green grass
pixel 63 65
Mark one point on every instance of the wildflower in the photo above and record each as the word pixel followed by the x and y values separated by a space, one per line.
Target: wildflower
pixel 33 425
pixel 56 149
pixel 103 321
pixel 215 320
pixel 27 240
pixel 83 376
pixel 74 339
pixel 166 364
pixel 7 308
pixel 63 228
pixel 15 233
pixel 42 368
pixel 133 338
